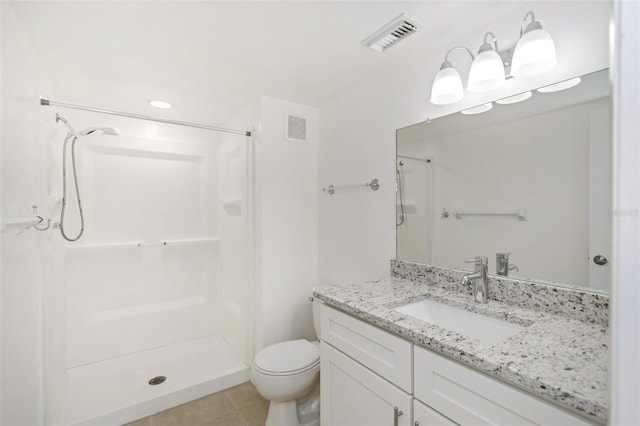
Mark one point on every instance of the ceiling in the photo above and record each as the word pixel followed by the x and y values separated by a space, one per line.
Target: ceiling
pixel 210 58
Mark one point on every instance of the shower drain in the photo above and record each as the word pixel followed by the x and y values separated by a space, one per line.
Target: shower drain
pixel 157 380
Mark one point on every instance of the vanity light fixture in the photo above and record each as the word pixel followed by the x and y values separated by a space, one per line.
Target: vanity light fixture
pixel 447 86
pixel 487 70
pixel 563 85
pixel 159 104
pixel 535 53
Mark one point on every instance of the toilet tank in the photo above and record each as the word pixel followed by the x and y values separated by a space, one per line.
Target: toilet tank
pixel 317 308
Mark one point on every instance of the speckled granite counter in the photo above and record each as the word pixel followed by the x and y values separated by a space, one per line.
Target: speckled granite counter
pixel 557 356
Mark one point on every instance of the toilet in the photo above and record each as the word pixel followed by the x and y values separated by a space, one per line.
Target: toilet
pixel 288 375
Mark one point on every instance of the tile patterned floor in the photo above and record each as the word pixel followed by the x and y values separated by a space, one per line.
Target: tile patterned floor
pixel 239 406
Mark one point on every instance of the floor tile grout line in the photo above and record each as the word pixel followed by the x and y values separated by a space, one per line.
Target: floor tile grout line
pixel 226 393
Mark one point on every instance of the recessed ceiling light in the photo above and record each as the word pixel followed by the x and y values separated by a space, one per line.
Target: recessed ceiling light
pixel 515 98
pixel 567 84
pixel 159 104
pixel 477 110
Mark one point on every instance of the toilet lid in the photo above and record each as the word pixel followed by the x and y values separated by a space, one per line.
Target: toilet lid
pixel 287 357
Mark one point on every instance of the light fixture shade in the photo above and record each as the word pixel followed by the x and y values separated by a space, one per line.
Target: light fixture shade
pixel 515 98
pixel 477 109
pixel 486 73
pixel 447 86
pixel 563 85
pixel 535 53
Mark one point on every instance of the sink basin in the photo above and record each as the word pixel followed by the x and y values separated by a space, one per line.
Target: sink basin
pixel 486 329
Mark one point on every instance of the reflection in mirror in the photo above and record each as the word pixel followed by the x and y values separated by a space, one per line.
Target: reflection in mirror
pixel 529 178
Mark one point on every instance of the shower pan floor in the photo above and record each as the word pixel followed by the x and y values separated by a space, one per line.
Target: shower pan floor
pixel 116 391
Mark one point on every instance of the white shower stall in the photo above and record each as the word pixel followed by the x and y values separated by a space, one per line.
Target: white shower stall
pixel 161 283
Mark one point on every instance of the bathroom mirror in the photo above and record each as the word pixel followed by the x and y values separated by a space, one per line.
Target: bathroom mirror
pixel 530 178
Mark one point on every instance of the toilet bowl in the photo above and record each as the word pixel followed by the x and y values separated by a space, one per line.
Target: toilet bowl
pixel 288 375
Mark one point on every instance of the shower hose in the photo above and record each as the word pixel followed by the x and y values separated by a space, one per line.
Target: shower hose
pixel 73 137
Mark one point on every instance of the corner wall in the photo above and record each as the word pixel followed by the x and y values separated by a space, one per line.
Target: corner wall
pixel 357 232
pixel 286 224
pixel 22 82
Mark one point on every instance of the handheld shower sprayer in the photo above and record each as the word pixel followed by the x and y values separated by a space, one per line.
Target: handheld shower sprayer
pixel 73 136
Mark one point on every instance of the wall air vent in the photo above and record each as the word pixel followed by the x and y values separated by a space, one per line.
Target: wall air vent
pixel 295 128
pixel 392 33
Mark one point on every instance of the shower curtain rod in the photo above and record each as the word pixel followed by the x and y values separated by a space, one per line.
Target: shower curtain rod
pixel 47 102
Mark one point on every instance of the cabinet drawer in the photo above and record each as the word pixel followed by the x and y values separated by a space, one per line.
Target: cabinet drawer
pixel 469 397
pixel 384 353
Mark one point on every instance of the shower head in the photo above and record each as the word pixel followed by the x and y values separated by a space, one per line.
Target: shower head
pixel 105 130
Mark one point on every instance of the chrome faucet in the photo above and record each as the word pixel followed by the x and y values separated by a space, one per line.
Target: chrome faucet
pixel 479 277
pixel 502 264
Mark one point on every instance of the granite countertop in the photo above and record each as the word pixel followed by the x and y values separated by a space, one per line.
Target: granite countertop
pixel 557 357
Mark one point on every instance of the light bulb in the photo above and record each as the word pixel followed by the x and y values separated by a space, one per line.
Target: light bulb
pixel 447 86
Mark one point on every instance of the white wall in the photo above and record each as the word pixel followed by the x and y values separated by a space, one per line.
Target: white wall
pixel 286 224
pixel 357 232
pixel 22 83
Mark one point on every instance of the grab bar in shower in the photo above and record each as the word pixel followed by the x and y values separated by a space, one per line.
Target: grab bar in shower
pixel 144 244
pixel 374 185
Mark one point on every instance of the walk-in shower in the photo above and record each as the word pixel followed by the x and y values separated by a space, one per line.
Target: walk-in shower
pixel 161 283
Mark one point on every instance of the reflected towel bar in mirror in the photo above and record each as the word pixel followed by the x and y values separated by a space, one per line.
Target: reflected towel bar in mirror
pixel 521 214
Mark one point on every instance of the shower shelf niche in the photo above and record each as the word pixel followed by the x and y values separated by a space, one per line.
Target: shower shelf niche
pixel 144 244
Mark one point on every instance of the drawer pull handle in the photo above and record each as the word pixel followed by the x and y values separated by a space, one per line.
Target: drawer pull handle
pixel 416 423
pixel 396 413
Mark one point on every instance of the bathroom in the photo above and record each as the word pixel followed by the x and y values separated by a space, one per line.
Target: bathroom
pixel 250 228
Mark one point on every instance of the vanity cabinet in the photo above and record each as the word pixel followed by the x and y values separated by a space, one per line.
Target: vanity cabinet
pixel 372 377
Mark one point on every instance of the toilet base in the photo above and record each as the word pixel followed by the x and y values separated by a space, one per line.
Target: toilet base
pixel 303 412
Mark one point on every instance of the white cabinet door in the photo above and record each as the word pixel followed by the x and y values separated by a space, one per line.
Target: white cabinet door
pixel 427 416
pixel 353 395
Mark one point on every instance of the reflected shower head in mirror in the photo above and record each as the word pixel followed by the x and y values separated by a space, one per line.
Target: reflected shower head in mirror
pixel 106 130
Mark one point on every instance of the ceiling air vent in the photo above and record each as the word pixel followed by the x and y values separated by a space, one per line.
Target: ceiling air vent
pixel 295 128
pixel 389 35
